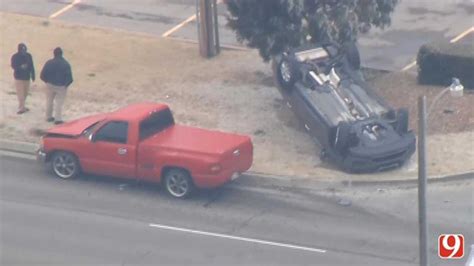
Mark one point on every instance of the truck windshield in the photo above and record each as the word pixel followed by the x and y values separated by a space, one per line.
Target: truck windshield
pixel 155 123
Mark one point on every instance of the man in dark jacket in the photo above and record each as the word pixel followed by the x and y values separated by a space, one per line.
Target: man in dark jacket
pixel 23 71
pixel 57 75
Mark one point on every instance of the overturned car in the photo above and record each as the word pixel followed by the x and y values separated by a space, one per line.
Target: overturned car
pixel 355 128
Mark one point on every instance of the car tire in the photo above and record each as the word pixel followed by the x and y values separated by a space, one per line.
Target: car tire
pixel 286 74
pixel 178 183
pixel 352 55
pixel 65 165
pixel 402 121
pixel 341 140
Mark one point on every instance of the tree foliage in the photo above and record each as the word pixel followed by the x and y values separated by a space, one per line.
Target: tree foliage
pixel 272 26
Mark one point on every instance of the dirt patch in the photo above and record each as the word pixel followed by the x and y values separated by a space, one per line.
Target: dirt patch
pixel 233 92
pixel 450 115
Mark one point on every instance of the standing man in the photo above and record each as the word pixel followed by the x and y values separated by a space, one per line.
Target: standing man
pixel 57 75
pixel 23 71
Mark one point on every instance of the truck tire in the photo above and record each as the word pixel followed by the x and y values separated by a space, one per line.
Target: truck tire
pixel 178 183
pixel 286 74
pixel 65 165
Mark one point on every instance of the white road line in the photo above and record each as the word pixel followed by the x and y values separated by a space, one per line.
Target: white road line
pixel 182 24
pixel 454 40
pixel 245 239
pixel 412 64
pixel 64 9
pixel 462 35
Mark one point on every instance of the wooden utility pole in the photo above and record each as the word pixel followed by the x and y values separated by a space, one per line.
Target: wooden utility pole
pixel 206 13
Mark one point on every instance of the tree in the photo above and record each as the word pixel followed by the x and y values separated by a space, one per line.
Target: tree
pixel 272 26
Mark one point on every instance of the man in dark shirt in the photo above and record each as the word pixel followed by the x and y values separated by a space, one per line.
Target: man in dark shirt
pixel 23 71
pixel 57 75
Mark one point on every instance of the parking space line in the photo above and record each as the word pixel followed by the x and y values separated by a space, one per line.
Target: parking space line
pixel 462 35
pixel 182 24
pixel 454 40
pixel 64 9
pixel 244 239
pixel 412 64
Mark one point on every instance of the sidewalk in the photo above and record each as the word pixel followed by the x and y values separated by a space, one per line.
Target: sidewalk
pixel 233 92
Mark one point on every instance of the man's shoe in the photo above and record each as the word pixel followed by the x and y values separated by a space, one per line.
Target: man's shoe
pixel 22 111
pixel 58 122
pixel 51 119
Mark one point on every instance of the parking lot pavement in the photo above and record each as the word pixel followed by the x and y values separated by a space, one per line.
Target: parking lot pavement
pixel 31 7
pixel 147 16
pixel 413 23
pixel 468 39
pixel 152 17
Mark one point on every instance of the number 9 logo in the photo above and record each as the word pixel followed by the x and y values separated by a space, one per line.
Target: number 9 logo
pixel 451 246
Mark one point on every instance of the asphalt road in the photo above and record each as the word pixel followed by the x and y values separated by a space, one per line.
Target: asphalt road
pixel 413 23
pixel 99 220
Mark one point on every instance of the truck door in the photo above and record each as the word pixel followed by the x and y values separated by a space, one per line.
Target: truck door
pixel 111 152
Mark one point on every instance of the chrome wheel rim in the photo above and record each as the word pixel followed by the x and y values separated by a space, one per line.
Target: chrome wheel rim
pixel 285 71
pixel 64 165
pixel 177 184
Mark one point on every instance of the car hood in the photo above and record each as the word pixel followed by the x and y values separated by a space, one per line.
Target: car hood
pixel 76 127
pixel 186 138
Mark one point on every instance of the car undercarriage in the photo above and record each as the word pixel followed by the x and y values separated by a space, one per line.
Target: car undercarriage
pixel 357 129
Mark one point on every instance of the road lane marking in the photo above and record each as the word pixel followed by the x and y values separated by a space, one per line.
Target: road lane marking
pixel 454 40
pixel 64 9
pixel 182 24
pixel 244 239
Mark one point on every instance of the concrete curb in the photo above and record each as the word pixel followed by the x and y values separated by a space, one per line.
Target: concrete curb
pixel 27 150
pixel 18 146
pixel 223 46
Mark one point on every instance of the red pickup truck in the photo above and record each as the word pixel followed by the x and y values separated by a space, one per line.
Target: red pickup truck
pixel 141 141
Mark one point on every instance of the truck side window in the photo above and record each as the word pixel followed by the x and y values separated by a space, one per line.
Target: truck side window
pixel 115 131
pixel 155 123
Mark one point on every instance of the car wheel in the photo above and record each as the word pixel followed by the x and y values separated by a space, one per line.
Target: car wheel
pixel 178 183
pixel 65 165
pixel 341 140
pixel 286 74
pixel 402 121
pixel 353 55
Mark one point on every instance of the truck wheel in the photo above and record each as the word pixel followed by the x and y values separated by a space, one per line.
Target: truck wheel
pixel 65 165
pixel 178 183
pixel 402 121
pixel 286 74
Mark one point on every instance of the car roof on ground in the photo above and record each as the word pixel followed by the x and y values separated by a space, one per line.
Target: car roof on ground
pixel 137 111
